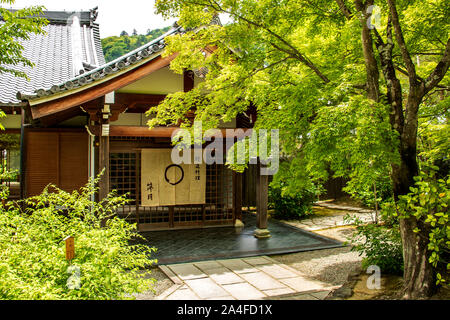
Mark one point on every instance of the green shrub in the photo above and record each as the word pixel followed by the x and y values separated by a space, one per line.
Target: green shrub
pixel 380 245
pixel 32 248
pixel 364 191
pixel 290 206
pixel 427 203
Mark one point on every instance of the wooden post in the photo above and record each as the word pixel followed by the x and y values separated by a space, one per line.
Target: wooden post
pixel 103 164
pixel 70 248
pixel 188 80
pixel 262 189
pixel 22 154
pixel 138 191
pixel 171 214
pixel 238 199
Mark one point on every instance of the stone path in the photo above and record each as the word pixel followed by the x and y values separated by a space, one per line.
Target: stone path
pixel 331 221
pixel 252 278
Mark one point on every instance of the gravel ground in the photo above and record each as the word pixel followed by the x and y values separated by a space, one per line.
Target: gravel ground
pixel 162 283
pixel 331 266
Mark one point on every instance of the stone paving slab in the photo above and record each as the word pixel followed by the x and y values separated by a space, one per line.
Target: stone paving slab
pixel 241 279
pixel 183 294
pixel 300 284
pixel 321 294
pixel 244 291
pixel 277 271
pixel 257 261
pixel 224 276
pixel 171 275
pixel 206 288
pixel 278 292
pixel 222 298
pixel 262 281
pixel 207 265
pixel 238 265
pixel 305 296
pixel 187 271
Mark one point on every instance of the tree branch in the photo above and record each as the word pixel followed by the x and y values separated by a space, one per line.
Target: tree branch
pixel 302 58
pixel 401 42
pixel 256 71
pixel 345 11
pixel 439 72
pixel 403 71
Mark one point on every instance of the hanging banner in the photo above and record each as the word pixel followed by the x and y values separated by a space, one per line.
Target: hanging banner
pixel 164 183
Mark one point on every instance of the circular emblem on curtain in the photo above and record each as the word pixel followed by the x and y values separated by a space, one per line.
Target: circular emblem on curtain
pixel 177 168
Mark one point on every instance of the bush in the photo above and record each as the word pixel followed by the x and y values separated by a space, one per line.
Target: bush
pixel 380 245
pixel 363 191
pixel 32 249
pixel 427 203
pixel 290 206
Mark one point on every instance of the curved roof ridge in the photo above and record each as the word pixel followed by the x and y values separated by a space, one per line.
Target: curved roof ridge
pixel 64 17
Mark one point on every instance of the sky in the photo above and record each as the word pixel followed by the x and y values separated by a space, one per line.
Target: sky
pixel 114 15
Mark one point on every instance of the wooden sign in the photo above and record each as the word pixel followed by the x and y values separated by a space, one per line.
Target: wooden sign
pixel 164 183
pixel 70 248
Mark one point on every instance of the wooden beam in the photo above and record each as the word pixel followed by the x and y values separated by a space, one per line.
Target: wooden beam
pixel 159 132
pixel 164 132
pixel 96 91
pixel 10 131
pixel 129 99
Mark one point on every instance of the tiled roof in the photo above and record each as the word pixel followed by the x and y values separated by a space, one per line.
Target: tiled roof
pixel 145 52
pixel 54 54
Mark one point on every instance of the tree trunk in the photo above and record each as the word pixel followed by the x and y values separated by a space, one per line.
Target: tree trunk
pixel 419 275
pixel 372 72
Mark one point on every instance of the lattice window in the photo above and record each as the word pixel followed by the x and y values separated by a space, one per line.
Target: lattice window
pixel 219 193
pixel 125 174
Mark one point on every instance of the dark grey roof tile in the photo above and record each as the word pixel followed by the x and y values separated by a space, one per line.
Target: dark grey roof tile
pixel 52 55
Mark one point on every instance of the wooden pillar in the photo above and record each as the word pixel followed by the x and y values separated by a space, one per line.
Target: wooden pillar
pixel 188 80
pixel 238 199
pixel 262 189
pixel 23 157
pixel 103 164
pixel 171 216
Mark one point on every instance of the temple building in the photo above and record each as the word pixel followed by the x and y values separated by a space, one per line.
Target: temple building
pixel 78 116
